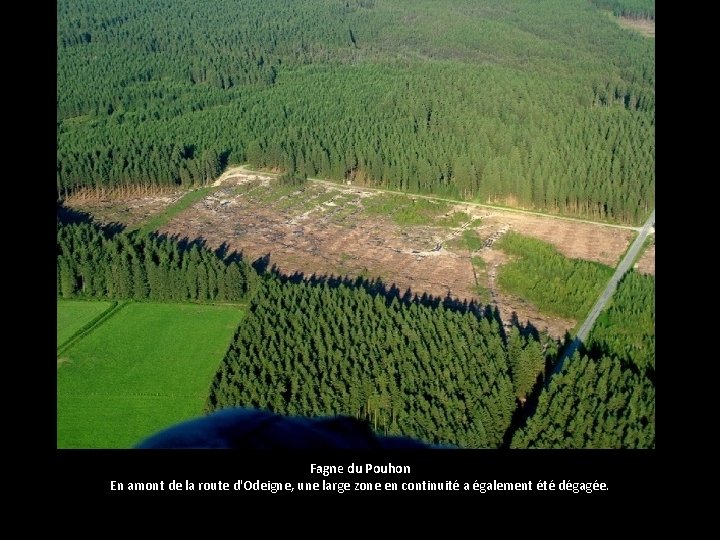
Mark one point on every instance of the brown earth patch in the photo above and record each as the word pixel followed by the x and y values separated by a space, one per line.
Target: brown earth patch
pixel 129 211
pixel 644 26
pixel 322 229
pixel 646 263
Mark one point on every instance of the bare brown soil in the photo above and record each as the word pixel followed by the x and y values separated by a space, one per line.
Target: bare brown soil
pixel 322 229
pixel 130 211
pixel 645 26
pixel 646 263
pixel 574 239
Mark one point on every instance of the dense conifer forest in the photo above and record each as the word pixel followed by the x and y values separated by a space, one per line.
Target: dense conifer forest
pixel 604 398
pixel 547 105
pixel 441 371
pixel 543 105
pixel 94 264
pixel 430 373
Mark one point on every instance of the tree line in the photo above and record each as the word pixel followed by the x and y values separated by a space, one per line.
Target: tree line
pixel 542 105
pixel 638 9
pixel 94 264
pixel 432 373
pixel 604 398
pixel 408 366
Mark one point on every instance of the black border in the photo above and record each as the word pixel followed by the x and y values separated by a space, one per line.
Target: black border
pixel 628 474
pixel 76 475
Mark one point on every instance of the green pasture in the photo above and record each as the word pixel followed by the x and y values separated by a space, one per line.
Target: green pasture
pixel 143 369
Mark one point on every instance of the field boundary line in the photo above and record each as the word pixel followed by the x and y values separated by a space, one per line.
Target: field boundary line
pixel 113 305
pixel 92 325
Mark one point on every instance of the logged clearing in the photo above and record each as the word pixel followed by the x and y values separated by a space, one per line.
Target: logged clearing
pixel 646 262
pixel 338 230
pixel 114 207
pixel 144 369
pixel 646 27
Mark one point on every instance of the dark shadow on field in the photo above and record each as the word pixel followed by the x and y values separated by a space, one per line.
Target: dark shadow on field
pixel 527 329
pixel 70 216
pixel 223 252
pixel 261 264
pixel 185 243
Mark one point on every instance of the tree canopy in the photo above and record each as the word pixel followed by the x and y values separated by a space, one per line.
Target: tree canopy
pixel 545 105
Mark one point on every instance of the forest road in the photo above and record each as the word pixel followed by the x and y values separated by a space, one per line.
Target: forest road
pixel 234 171
pixel 620 271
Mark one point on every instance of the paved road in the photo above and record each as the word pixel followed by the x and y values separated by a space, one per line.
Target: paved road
pixel 623 267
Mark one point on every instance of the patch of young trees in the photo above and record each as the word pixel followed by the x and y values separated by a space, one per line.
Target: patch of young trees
pixel 626 329
pixel 553 282
pixel 637 9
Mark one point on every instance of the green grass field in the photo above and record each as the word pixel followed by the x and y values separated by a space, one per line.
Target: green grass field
pixel 72 315
pixel 456 219
pixel 144 369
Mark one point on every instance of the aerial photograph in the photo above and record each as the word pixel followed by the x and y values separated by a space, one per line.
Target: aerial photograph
pixel 355 223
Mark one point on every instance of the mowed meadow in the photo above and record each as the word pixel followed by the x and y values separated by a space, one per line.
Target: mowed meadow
pixel 144 368
pixel 75 315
